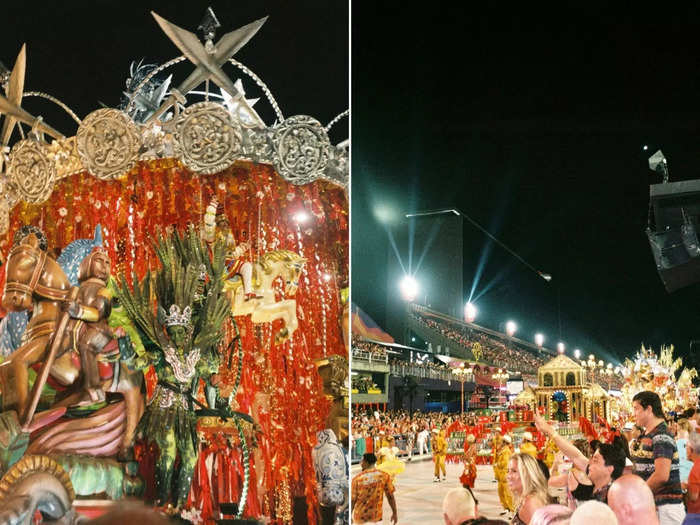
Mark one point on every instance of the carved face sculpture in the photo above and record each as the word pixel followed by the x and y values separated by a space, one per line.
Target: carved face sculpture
pixel 101 265
pixel 97 264
pixel 178 335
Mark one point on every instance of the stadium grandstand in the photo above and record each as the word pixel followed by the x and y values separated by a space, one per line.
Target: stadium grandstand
pixel 390 376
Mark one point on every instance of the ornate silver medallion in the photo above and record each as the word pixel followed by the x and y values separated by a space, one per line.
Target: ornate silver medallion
pixel 302 148
pixel 108 143
pixel 209 139
pixel 31 171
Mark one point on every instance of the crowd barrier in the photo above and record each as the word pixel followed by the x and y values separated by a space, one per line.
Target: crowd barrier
pixel 364 445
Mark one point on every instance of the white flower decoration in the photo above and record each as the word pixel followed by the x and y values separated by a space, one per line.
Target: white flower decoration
pixel 149 194
pixel 192 515
pixel 62 212
pixel 98 204
pixel 222 185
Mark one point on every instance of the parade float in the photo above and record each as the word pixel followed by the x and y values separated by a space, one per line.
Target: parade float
pixel 173 293
pixel 660 374
pixel 564 395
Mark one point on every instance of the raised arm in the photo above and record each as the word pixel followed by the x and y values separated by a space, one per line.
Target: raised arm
pixel 566 446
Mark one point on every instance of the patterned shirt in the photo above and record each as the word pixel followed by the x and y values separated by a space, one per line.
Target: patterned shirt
pixel 602 494
pixel 658 443
pixel 368 489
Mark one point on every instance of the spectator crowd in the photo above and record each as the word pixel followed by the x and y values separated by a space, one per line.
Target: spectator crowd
pixel 645 473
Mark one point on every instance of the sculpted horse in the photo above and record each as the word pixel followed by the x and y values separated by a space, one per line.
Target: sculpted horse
pixel 264 308
pixel 35 281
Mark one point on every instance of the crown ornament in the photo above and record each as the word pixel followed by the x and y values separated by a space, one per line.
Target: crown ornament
pixel 177 317
pixel 159 118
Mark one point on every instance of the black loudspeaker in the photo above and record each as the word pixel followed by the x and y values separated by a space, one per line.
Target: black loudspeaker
pixel 674 240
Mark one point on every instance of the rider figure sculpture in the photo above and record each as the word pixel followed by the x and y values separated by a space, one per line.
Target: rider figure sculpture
pixel 217 228
pixel 91 332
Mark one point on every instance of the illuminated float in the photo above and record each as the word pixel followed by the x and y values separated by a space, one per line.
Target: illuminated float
pixel 186 267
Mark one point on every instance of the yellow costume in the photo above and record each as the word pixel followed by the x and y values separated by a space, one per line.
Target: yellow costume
pixel 500 469
pixel 496 447
pixel 383 444
pixel 439 445
pixel 528 448
pixel 550 450
pixel 389 462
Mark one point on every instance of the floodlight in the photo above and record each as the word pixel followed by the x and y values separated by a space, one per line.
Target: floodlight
pixel 409 288
pixel 470 312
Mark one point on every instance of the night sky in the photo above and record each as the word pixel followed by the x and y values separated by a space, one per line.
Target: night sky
pixel 532 123
pixel 80 52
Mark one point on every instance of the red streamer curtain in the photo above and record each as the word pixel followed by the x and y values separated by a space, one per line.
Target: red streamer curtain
pixel 280 385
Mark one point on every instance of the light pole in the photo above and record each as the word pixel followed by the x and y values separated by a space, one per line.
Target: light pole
pixel 462 375
pixel 546 276
pixel 501 376
pixel 539 340
pixel 591 365
pixel 609 372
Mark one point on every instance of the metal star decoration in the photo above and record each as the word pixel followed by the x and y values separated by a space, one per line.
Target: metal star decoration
pixel 11 108
pixel 14 88
pixel 150 97
pixel 242 107
pixel 208 64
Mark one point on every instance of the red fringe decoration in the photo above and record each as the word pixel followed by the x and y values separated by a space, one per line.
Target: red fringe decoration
pixel 277 379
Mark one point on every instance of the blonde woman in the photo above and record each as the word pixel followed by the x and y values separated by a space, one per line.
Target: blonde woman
pixel 528 486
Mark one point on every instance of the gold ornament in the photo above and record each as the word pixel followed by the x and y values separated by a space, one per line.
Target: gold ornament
pixel 477 351
pixel 108 143
pixel 284 499
pixel 657 374
pixel 31 171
